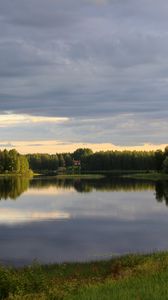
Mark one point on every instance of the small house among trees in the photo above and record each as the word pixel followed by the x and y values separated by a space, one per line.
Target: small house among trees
pixel 77 163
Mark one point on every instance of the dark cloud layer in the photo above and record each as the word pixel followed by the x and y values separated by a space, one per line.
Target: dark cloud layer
pixel 100 60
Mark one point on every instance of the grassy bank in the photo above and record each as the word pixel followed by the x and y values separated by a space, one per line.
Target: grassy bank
pixel 28 174
pixel 148 176
pixel 132 277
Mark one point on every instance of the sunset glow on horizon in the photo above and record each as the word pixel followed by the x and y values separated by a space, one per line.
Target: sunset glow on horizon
pixel 53 147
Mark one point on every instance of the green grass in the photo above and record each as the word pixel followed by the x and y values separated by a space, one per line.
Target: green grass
pixel 133 277
pixel 29 174
pixel 148 176
pixel 148 287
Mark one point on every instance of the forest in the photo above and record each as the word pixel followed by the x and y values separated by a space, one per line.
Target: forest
pixel 13 162
pixel 101 161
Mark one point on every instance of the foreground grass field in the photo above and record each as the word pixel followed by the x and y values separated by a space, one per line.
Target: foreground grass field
pixel 132 277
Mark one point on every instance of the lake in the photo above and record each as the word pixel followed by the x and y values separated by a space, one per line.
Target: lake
pixel 53 220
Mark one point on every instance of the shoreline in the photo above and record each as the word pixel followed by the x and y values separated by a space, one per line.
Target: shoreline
pixel 133 276
pixel 154 176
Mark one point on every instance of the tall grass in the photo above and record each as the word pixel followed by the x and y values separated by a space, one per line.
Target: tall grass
pixel 132 277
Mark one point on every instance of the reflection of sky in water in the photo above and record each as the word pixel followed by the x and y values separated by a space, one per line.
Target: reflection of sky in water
pixel 54 224
pixel 59 203
pixel 34 205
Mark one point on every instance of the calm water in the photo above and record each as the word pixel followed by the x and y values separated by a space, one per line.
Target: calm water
pixel 64 220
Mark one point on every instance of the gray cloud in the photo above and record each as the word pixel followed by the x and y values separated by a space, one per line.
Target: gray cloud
pixel 86 60
pixel 8 145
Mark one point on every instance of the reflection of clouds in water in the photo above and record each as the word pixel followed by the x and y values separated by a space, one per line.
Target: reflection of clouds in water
pixel 49 198
pixel 117 205
pixel 11 216
pixel 128 206
pixel 49 191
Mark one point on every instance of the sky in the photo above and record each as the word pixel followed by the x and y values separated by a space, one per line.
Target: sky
pixel 83 73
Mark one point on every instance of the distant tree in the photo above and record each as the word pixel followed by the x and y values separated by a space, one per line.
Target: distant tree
pixel 166 151
pixel 24 165
pixel 159 158
pixel 1 161
pixel 79 153
pixel 54 161
pixel 14 161
pixel 165 165
pixel 61 160
pixel 68 160
pixel 6 161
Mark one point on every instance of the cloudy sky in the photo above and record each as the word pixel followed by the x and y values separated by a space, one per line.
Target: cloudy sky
pixel 83 72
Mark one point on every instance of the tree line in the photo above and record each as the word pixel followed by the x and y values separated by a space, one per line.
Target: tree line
pixel 126 160
pixel 102 160
pixel 13 162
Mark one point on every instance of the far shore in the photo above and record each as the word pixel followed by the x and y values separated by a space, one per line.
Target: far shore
pixel 80 176
pixel 147 176
pixel 132 174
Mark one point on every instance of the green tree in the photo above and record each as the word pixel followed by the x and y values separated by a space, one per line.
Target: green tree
pixel 159 158
pixel 68 160
pixel 14 161
pixel 166 151
pixel 24 165
pixel 79 153
pixel 61 160
pixel 165 165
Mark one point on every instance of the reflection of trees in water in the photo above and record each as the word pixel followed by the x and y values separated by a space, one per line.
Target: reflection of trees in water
pixel 88 185
pixel 162 191
pixel 80 185
pixel 13 187
pixel 45 182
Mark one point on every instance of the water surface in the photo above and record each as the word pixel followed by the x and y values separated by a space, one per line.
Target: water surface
pixel 53 220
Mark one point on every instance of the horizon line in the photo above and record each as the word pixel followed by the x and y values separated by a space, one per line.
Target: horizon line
pixel 55 146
